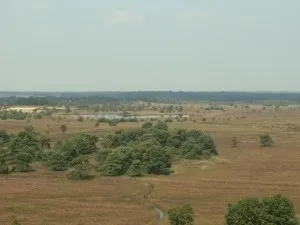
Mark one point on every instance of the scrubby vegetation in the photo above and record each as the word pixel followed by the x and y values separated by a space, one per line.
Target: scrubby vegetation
pixel 151 150
pixel 183 215
pixel 275 210
pixel 266 140
pixel 20 115
pixel 148 150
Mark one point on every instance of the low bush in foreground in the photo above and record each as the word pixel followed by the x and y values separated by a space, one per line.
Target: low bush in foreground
pixel 274 210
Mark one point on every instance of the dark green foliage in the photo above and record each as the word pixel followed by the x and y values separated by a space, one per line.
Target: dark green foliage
pixel 22 167
pixel 55 160
pixel 275 210
pixel 157 161
pixel 147 125
pixel 3 167
pixel 85 143
pixel 79 144
pixel 154 147
pixel 81 168
pixel 183 215
pixel 67 151
pixel 113 165
pixel 136 169
pixel 24 148
pixel 102 155
pixel 266 140
pixel 4 137
pixel 161 126
pixel 278 210
pixel 12 115
pixel 198 145
pixel 74 175
pixel 122 138
pixel 63 128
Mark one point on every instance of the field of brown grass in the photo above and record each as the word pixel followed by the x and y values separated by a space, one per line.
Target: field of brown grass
pixel 45 197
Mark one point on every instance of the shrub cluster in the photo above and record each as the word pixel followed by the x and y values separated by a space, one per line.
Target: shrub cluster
pixel 151 149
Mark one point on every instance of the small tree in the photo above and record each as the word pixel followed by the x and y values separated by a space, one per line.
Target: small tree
pixel 3 167
pixel 147 125
pixel 63 128
pixel 266 140
pixel 275 210
pixel 56 161
pixel 4 137
pixel 136 169
pixel 183 215
pixel 234 142
pixel 67 109
pixel 81 168
pixel 22 162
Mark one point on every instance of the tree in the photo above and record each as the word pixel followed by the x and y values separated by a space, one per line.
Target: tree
pixel 147 125
pixel 266 140
pixel 274 210
pixel 157 161
pixel 55 160
pixel 112 165
pixel 136 169
pixel 4 137
pixel 67 109
pixel 183 215
pixel 247 211
pixel 81 168
pixel 63 128
pixel 3 167
pixel 161 126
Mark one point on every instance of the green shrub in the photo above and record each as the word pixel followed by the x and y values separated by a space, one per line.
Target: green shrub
pixel 23 167
pixel 147 125
pixel 4 137
pixel 81 169
pixel 117 162
pixel 3 167
pixel 63 128
pixel 102 155
pixel 266 140
pixel 275 210
pixel 154 147
pixel 136 169
pixel 183 215
pixel 55 160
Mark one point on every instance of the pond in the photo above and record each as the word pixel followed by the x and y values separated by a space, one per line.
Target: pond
pixel 118 117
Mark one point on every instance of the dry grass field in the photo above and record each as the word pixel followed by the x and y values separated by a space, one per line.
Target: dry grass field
pixel 44 197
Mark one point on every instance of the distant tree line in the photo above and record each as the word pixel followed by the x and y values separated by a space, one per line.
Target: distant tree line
pixel 86 98
pixel 20 115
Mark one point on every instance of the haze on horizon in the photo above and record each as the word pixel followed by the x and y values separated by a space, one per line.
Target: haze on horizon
pixel 95 45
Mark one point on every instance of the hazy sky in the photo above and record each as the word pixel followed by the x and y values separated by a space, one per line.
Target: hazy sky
pixel 196 45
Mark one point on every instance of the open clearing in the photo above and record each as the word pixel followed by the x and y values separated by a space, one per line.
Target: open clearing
pixel 45 197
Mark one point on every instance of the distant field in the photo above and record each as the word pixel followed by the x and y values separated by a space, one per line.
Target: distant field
pixel 45 197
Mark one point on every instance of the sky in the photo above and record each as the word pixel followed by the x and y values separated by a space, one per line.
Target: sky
pixel 134 45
